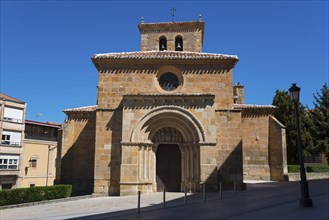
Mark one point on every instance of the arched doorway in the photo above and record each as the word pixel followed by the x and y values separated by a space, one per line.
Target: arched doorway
pixel 168 159
pixel 168 150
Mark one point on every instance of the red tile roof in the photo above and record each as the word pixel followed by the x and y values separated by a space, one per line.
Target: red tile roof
pixel 251 106
pixel 249 110
pixel 9 98
pixel 172 23
pixel 49 124
pixel 82 109
pixel 167 55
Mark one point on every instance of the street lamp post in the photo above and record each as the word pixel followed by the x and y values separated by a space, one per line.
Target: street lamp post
pixel 305 201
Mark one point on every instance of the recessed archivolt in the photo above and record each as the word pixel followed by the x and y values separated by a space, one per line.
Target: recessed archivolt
pixel 187 129
pixel 168 116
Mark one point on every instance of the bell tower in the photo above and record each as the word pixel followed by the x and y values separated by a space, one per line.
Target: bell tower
pixel 172 36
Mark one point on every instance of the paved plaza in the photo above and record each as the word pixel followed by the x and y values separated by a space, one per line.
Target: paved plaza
pixel 271 200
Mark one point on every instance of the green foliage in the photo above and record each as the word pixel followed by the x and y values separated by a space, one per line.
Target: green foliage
pixel 309 168
pixel 293 168
pixel 320 116
pixel 285 113
pixel 34 194
pixel 317 168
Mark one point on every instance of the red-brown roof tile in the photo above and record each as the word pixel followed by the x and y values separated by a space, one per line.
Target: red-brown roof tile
pixel 9 98
pixel 167 55
pixel 82 109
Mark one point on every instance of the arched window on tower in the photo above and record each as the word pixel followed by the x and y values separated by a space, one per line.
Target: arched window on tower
pixel 179 43
pixel 162 43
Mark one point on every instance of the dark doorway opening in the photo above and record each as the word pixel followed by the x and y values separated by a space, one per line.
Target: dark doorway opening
pixel 168 167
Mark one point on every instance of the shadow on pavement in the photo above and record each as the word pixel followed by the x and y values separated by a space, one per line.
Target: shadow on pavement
pixel 273 200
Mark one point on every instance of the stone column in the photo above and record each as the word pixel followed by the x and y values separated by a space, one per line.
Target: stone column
pixel 184 165
pixel 140 163
pixel 153 167
pixel 129 170
pixel 196 162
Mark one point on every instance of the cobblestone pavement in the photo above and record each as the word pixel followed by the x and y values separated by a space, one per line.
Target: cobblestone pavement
pixel 270 200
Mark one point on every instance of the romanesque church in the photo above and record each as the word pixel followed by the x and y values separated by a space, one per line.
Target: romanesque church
pixel 168 116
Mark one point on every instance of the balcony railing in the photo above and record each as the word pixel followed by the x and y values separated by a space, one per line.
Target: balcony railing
pixel 10 143
pixel 40 137
pixel 8 167
pixel 14 120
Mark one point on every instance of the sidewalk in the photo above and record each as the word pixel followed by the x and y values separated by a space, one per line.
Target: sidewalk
pixel 271 200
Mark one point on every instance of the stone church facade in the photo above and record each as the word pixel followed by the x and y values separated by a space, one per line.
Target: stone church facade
pixel 169 116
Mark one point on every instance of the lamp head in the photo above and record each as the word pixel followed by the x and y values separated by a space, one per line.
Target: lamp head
pixel 294 92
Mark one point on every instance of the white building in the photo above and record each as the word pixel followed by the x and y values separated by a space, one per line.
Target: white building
pixel 12 125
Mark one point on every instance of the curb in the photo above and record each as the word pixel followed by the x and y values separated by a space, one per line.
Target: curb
pixel 45 202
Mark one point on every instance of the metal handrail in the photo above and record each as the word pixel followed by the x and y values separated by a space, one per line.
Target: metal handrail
pixel 14 120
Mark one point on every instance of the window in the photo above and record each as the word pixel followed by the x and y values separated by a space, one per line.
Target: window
pixel 6 186
pixel 179 43
pixel 9 162
pixel 32 185
pixel 168 81
pixel 13 115
pixel 39 132
pixel 5 139
pixel 162 43
pixel 11 138
pixel 33 162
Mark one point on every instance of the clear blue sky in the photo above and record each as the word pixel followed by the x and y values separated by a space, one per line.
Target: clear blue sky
pixel 46 46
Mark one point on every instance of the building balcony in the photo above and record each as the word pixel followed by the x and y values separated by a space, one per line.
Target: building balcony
pixel 10 149
pixel 13 120
pixel 10 143
pixel 40 137
pixel 14 126
pixel 9 172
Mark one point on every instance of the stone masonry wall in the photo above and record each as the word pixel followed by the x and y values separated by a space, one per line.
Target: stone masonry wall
pixel 278 152
pixel 191 41
pixel 133 79
pixel 191 33
pixel 141 78
pixel 77 152
pixel 255 132
pixel 229 148
pixel 108 152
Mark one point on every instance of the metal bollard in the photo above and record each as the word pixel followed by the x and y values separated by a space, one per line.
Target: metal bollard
pixel 220 190
pixel 139 202
pixel 235 192
pixel 164 197
pixel 185 198
pixel 204 192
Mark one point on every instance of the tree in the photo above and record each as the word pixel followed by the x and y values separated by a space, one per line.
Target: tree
pixel 320 116
pixel 286 115
pixel 284 106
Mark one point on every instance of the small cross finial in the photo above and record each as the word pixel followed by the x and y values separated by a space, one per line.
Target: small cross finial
pixel 172 13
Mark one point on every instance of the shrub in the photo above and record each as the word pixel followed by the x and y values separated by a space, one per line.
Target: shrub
pixel 34 194
pixel 317 168
pixel 293 168
pixel 309 168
